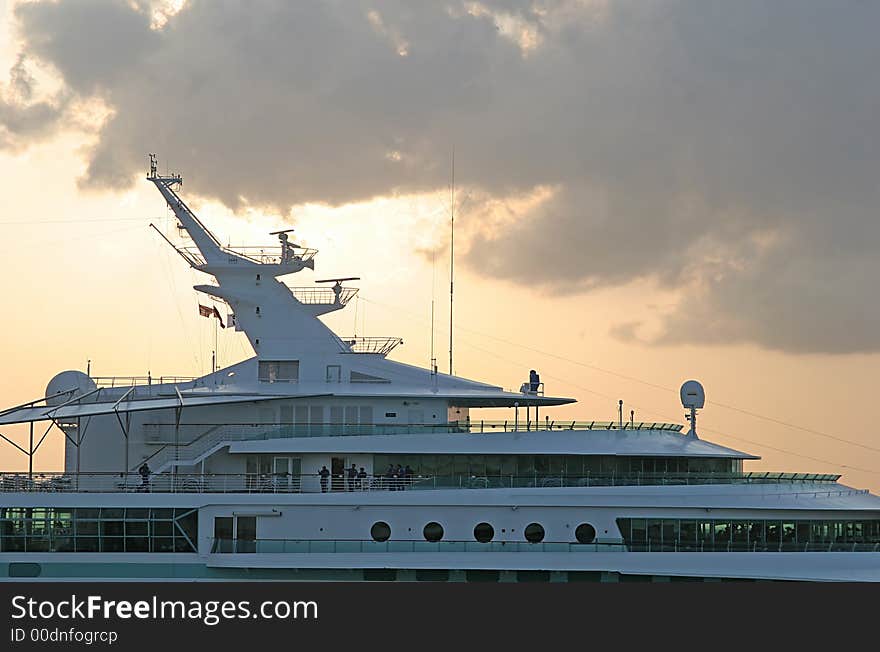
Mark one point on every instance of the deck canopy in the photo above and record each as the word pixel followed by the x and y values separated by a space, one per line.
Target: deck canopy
pixel 650 443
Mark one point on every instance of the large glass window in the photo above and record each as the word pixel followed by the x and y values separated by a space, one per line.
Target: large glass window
pixel 542 470
pixel 279 371
pixel 749 535
pixel 48 529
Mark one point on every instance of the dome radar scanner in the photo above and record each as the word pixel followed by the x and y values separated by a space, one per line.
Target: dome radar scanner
pixel 693 398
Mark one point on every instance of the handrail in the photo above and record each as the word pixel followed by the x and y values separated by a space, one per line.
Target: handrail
pixel 381 345
pixel 292 546
pixel 112 482
pixel 256 254
pixel 299 546
pixel 323 296
pixel 305 428
pixel 139 381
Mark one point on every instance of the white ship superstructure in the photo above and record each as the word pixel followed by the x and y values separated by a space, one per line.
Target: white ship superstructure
pixel 321 459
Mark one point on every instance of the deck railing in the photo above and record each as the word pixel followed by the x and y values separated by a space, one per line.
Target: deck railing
pixel 273 546
pixel 814 484
pixel 293 546
pixel 249 431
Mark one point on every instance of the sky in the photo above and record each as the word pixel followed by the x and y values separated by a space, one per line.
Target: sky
pixel 645 192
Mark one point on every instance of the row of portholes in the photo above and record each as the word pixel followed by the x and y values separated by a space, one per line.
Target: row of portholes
pixel 484 532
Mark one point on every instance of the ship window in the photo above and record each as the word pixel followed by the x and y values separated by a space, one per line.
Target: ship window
pixel 391 415
pixel 358 377
pixel 484 532
pixel 47 529
pixel 279 371
pixel 585 533
pixel 380 531
pixel 245 534
pixel 534 533
pixel 334 373
pixel 433 532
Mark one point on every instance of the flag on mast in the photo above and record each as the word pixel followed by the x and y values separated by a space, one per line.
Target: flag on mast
pixel 206 311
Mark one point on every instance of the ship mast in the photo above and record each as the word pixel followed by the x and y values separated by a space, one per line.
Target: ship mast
pixel 451 256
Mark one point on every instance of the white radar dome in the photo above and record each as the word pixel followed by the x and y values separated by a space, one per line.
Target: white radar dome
pixel 74 380
pixel 693 395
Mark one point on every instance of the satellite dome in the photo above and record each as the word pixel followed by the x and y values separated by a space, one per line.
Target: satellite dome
pixel 66 381
pixel 693 395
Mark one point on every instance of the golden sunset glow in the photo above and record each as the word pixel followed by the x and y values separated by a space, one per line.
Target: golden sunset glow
pixel 84 278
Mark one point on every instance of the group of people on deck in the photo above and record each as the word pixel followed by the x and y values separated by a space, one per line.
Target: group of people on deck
pixel 395 479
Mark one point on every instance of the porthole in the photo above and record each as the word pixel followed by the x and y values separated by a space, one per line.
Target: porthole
pixel 484 533
pixel 534 533
pixel 380 531
pixel 433 532
pixel 585 533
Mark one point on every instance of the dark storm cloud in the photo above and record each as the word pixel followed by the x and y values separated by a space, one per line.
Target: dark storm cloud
pixel 728 150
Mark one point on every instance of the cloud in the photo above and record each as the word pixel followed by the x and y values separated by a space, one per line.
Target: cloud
pixel 25 116
pixel 724 151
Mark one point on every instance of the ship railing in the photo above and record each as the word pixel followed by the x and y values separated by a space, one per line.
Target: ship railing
pixel 138 381
pixel 381 345
pixel 293 546
pixel 324 296
pixel 308 546
pixel 809 485
pixel 248 431
pixel 560 424
pixel 268 255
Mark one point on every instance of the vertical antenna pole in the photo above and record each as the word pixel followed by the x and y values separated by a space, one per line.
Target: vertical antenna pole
pixel 451 257
pixel 433 291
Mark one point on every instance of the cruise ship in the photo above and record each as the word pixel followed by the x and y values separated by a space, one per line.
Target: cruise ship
pixel 321 459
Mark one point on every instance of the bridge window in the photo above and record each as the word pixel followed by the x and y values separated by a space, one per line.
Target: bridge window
pixel 334 373
pixel 279 371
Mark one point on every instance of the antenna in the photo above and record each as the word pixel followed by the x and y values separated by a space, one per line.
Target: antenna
pixel 337 285
pixel 433 287
pixel 620 414
pixel 693 398
pixel 451 256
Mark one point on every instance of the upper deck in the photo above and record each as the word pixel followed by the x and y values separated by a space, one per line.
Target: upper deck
pixel 285 483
